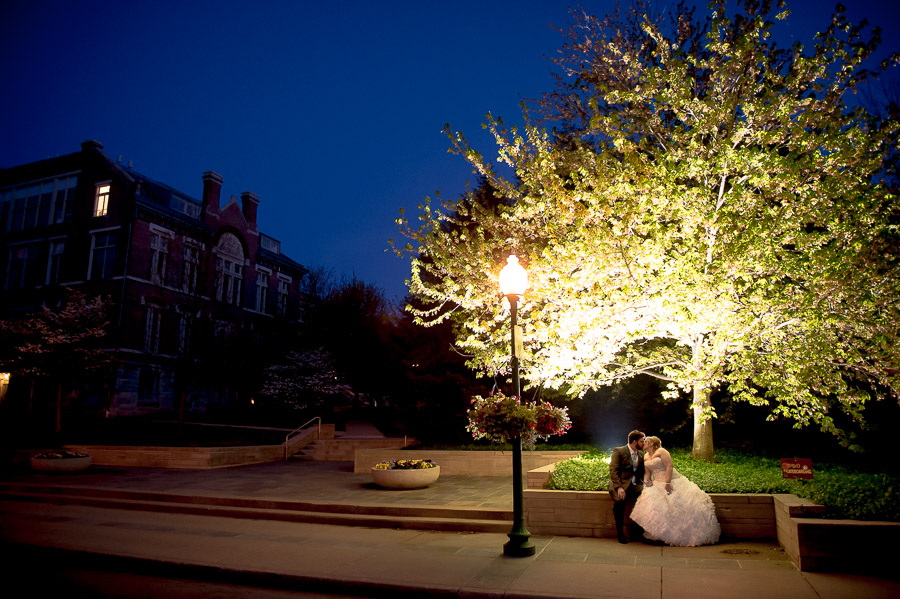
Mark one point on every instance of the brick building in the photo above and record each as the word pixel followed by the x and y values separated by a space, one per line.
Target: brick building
pixel 197 290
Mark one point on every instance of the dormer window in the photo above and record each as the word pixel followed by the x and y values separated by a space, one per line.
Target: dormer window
pixel 101 200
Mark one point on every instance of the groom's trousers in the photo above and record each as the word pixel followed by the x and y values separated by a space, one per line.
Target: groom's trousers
pixel 622 508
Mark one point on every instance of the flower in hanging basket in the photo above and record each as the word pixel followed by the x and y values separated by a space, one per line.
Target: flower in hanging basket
pixel 405 465
pixel 550 420
pixel 500 418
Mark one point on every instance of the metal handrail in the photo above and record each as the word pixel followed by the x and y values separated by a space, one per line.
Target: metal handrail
pixel 288 436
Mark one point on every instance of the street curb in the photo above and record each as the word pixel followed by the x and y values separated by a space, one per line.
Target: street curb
pixel 42 556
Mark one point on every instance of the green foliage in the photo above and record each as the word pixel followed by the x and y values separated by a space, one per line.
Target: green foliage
pixel 845 492
pixel 714 215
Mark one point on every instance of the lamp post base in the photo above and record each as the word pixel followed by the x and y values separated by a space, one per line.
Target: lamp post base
pixel 518 546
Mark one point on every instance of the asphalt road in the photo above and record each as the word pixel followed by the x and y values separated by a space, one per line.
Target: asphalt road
pixel 41 573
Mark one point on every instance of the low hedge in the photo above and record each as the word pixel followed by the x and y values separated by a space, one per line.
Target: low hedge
pixel 844 491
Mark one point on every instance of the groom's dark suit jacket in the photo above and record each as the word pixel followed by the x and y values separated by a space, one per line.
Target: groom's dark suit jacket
pixel 622 471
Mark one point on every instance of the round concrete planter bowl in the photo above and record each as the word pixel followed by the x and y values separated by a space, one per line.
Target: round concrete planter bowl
pixel 61 464
pixel 416 478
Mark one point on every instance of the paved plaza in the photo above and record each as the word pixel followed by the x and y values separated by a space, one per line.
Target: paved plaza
pixel 385 562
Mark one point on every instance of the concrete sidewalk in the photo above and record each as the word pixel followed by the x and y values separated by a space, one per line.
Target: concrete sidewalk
pixel 373 562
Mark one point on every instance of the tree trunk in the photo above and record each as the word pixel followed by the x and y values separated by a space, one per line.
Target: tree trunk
pixel 182 400
pixel 703 434
pixel 58 407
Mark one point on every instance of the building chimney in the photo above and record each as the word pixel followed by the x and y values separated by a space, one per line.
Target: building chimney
pixel 249 203
pixel 212 185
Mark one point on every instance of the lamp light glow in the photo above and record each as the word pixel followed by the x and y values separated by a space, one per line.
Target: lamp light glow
pixel 513 278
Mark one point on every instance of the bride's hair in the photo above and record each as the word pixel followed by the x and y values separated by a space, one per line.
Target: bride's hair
pixel 654 441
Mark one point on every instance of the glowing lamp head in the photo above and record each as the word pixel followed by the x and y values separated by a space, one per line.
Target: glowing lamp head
pixel 513 278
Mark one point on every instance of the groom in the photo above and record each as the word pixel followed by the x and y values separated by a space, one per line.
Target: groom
pixel 626 479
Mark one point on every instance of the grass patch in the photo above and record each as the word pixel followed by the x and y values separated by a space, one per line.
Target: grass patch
pixel 844 491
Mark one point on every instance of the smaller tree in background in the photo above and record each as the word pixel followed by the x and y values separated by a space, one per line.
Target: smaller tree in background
pixel 62 345
pixel 303 379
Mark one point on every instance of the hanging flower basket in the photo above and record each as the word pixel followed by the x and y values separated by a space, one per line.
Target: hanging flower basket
pixel 405 474
pixel 60 461
pixel 500 418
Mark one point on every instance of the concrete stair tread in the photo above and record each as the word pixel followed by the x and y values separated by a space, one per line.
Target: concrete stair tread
pixel 438 511
pixel 408 521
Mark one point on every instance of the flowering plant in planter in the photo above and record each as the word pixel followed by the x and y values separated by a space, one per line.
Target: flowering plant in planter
pixel 59 455
pixel 60 461
pixel 500 418
pixel 405 465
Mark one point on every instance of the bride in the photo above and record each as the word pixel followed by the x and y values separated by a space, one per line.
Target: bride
pixel 673 509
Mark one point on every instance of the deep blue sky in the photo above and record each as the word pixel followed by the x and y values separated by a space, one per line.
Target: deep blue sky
pixel 330 111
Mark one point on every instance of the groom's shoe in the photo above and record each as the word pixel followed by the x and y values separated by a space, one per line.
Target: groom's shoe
pixel 623 539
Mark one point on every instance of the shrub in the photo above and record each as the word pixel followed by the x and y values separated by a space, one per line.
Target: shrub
pixel 845 493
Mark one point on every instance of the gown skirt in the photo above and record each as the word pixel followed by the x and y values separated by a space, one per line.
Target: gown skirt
pixel 684 518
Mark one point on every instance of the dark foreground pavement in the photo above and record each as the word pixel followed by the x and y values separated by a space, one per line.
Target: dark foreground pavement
pixel 376 562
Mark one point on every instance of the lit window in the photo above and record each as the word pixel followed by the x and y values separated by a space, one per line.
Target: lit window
pixel 101 201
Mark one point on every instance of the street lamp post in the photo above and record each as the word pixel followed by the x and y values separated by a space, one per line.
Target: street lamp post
pixel 513 282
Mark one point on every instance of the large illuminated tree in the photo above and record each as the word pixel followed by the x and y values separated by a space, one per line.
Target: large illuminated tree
pixel 716 219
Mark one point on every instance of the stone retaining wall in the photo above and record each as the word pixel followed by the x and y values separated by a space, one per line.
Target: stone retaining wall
pixel 813 543
pixel 199 457
pixel 462 463
pixel 589 514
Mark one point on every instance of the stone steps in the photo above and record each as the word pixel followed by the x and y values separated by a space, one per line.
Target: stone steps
pixel 344 449
pixel 346 514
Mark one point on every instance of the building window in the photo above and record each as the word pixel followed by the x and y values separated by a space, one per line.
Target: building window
pixel 190 267
pixel 104 255
pixel 185 326
pixel 54 261
pixel 230 279
pixel 262 291
pixel 17 215
pixel 159 251
pixel 229 269
pixel 148 387
pixel 64 199
pixel 38 204
pixel 151 330
pixel 284 292
pixel 21 267
pixel 101 200
pixel 222 330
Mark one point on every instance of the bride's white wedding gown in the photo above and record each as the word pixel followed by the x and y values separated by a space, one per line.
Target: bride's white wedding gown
pixel 684 518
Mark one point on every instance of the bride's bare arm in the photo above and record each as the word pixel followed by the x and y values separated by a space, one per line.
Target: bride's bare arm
pixel 670 467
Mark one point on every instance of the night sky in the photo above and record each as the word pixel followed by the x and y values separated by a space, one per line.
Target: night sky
pixel 330 111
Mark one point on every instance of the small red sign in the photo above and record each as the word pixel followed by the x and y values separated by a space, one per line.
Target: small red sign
pixel 796 468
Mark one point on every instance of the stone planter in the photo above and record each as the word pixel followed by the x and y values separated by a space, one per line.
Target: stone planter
pixel 76 464
pixel 405 479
